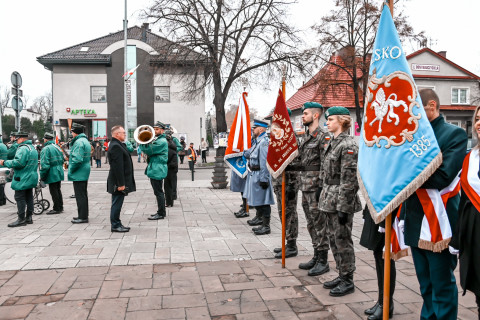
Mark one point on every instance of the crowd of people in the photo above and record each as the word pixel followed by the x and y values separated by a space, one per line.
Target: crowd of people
pixel 326 173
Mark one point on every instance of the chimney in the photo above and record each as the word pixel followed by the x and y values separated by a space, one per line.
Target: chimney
pixel 144 31
pixel 443 53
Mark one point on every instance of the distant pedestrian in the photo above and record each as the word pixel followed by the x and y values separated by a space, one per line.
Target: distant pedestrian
pixel 139 153
pixel 204 148
pixel 182 152
pixel 120 177
pixel 98 155
pixel 105 147
pixel 192 158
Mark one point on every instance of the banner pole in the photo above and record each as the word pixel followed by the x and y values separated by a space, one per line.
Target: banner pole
pixel 386 272
pixel 283 187
pixel 388 237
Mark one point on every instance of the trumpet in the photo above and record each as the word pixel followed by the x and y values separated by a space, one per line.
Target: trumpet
pixel 144 134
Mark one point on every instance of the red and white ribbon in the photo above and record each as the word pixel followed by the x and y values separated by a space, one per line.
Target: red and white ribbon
pixel 436 232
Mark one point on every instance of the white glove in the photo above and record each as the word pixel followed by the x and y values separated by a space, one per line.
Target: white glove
pixel 401 226
pixel 381 230
pixel 453 250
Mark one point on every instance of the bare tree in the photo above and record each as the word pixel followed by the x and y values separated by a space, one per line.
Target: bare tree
pixel 5 97
pixel 43 105
pixel 236 38
pixel 350 30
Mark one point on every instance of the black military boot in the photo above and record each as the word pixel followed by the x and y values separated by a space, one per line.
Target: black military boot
pixel 345 286
pixel 20 221
pixel 265 228
pixel 290 250
pixel 242 213
pixel 378 314
pixel 28 218
pixel 257 221
pixel 371 310
pixel 321 266
pixel 310 264
pixel 332 283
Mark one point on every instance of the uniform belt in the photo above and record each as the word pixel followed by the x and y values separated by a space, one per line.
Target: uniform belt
pixel 254 168
pixel 332 182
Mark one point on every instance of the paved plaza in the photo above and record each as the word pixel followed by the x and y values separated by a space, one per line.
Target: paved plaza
pixel 199 263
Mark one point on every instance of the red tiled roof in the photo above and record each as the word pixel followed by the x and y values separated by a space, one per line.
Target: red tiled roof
pixel 331 86
pixel 458 107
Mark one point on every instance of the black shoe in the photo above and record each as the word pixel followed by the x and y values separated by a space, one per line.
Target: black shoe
pixel 321 266
pixel 332 283
pixel 257 221
pixel 345 286
pixel 168 205
pixel 378 314
pixel 78 220
pixel 371 310
pixel 310 264
pixel 242 214
pixel 128 228
pixel 29 219
pixel 54 212
pixel 265 228
pixel 156 217
pixel 18 223
pixel 256 228
pixel 120 229
pixel 290 250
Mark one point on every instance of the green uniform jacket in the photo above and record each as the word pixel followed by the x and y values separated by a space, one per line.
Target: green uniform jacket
pixel 453 144
pixel 177 143
pixel 129 146
pixel 157 153
pixel 25 165
pixel 79 160
pixel 311 149
pixel 339 176
pixel 51 163
pixel 12 150
pixel 3 152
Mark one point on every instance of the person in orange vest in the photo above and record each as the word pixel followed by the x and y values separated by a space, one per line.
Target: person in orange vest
pixel 192 158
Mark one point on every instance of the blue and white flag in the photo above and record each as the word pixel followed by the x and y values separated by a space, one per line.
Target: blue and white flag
pixel 239 139
pixel 398 150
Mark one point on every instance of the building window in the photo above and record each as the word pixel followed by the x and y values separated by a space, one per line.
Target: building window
pixel 98 94
pixel 460 96
pixel 162 94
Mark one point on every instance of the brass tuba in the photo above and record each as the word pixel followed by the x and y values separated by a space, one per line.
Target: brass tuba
pixel 144 134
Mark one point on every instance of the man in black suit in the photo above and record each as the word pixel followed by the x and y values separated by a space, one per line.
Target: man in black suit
pixel 120 177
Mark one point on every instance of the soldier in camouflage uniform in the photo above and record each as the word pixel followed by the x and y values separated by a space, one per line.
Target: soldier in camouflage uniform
pixel 291 216
pixel 339 199
pixel 311 151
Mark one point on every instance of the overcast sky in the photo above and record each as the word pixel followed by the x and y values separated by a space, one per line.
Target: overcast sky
pixel 31 28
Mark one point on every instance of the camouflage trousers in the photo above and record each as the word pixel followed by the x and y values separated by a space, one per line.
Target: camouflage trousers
pixel 341 242
pixel 316 222
pixel 291 216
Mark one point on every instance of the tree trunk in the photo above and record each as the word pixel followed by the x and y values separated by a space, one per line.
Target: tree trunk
pixel 220 181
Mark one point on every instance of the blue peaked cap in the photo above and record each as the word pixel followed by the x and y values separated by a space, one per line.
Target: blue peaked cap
pixel 259 123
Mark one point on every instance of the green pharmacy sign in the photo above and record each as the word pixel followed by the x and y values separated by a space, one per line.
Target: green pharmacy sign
pixel 84 112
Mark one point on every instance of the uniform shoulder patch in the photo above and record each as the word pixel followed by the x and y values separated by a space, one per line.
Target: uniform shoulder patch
pixel 350 151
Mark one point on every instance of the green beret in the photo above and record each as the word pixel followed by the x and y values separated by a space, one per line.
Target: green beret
pixel 48 136
pixel 309 105
pixel 289 112
pixel 336 111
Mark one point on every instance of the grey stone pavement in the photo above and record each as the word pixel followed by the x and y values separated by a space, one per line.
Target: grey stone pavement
pixel 199 263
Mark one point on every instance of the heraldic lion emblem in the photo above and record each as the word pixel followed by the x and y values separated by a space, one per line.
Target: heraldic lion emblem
pixel 389 114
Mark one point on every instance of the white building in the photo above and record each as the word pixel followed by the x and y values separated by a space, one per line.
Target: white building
pixel 88 87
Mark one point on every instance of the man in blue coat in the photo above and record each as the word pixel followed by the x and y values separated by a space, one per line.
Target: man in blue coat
pixel 258 187
pixel 434 269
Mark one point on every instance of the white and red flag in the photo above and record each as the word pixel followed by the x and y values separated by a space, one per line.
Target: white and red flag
pixel 283 147
pixel 130 72
pixel 239 139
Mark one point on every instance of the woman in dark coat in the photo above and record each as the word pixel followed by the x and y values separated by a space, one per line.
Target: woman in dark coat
pixel 97 155
pixel 172 165
pixel 466 237
pixel 374 240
